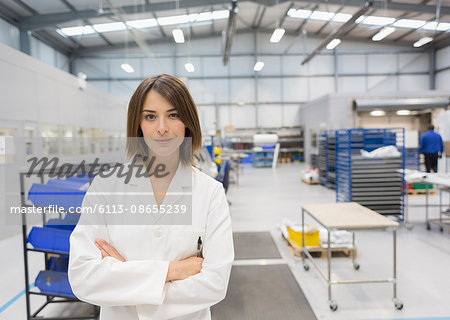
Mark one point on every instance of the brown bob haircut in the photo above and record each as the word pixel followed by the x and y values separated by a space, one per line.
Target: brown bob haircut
pixel 175 92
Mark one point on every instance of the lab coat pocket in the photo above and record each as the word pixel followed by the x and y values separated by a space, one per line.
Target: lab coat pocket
pixel 185 242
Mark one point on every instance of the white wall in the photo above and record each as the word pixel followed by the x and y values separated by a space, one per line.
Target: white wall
pixel 35 95
pixel 35 92
pixel 284 82
pixel 443 61
pixel 9 35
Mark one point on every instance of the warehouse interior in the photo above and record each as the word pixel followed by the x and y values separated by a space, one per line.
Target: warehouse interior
pixel 313 116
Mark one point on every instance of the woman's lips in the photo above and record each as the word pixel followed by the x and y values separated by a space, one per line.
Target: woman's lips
pixel 163 141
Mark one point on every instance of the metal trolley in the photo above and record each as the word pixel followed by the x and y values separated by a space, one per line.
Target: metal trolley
pixel 349 216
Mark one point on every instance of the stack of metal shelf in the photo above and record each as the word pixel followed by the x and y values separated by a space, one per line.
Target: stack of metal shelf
pixel 376 183
pixel 412 158
pixel 323 159
pixel 331 161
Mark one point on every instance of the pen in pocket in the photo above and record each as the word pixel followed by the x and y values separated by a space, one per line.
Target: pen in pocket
pixel 199 247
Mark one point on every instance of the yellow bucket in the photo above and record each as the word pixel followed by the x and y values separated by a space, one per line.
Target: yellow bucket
pixel 311 238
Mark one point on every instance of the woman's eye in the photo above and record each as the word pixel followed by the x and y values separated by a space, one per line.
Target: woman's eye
pixel 174 115
pixel 150 117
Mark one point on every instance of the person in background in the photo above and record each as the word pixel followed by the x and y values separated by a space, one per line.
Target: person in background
pixel 431 146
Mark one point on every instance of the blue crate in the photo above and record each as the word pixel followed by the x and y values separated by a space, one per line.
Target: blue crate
pixel 50 239
pixel 45 195
pixel 54 282
pixel 65 183
pixel 60 224
pixel 249 159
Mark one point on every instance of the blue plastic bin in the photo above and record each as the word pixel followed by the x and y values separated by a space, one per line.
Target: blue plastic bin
pixel 45 195
pixel 50 239
pixel 54 282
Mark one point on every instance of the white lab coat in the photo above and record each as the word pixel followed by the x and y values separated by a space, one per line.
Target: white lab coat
pixel 136 289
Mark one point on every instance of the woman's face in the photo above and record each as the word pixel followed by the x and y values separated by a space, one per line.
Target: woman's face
pixel 161 125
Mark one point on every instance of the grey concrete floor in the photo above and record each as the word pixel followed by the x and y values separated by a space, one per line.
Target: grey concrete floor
pixel 263 196
pixel 260 199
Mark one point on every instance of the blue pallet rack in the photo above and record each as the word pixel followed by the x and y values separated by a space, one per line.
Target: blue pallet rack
pixel 52 239
pixel 377 183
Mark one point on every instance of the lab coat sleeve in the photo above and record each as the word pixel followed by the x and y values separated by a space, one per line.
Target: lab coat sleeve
pixel 108 281
pixel 210 285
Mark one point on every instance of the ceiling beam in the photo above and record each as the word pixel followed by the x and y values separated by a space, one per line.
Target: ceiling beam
pixel 283 17
pixel 260 17
pixel 72 8
pixel 342 31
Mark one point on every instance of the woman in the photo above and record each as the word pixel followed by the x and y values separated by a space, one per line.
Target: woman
pixel 156 271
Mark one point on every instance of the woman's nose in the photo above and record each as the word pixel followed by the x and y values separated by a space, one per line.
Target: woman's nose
pixel 162 126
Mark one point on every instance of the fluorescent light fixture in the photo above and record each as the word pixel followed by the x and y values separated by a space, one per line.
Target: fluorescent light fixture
pixel 403 112
pixel 204 16
pixel 76 31
pixel 108 27
pixel 127 68
pixel 220 14
pixel 322 15
pixel 302 14
pixel 189 67
pixel 409 23
pixel 144 23
pixel 342 17
pixel 258 66
pixel 422 41
pixel 167 21
pixel 377 113
pixel 378 21
pixel 277 35
pixel 443 26
pixel 178 35
pixel 333 44
pixel 383 33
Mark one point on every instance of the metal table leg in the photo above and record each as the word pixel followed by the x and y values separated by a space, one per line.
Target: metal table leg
pixel 397 303
pixel 303 240
pixel 331 302
pixel 355 264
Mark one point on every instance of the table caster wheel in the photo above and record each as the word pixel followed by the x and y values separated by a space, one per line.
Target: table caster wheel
pixel 441 229
pixel 306 267
pixel 356 266
pixel 398 305
pixel 333 305
pixel 428 226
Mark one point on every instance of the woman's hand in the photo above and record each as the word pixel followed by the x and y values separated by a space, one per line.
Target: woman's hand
pixel 108 250
pixel 180 270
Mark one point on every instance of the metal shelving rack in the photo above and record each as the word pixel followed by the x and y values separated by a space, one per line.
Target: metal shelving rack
pixel 327 159
pixel 331 159
pixel 377 183
pixel 50 297
pixel 323 159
